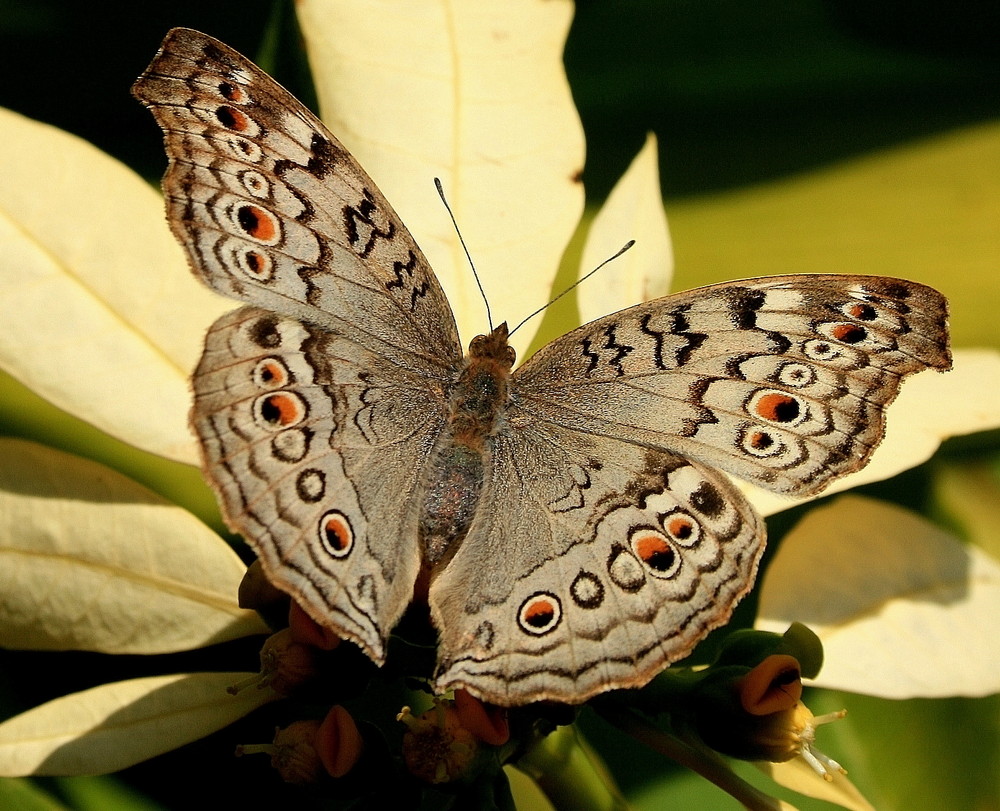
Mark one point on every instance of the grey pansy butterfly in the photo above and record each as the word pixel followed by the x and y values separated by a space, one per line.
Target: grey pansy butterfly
pixel 569 519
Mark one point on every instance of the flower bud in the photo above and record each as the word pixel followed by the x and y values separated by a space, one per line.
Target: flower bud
pixel 485 721
pixel 309 632
pixel 338 742
pixel 285 665
pixel 760 717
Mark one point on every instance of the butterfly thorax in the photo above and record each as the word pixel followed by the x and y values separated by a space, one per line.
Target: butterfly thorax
pixel 476 404
pixel 481 391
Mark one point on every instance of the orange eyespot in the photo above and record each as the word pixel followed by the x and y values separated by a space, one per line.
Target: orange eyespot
pixel 232 119
pixel 777 407
pixel 540 613
pixel 257 223
pixel 680 527
pixel 849 333
pixel 655 551
pixel 231 92
pixel 335 534
pixel 280 410
pixel 270 374
pixel 863 312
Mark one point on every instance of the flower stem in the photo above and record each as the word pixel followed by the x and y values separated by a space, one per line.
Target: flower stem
pixel 571 774
pixel 704 763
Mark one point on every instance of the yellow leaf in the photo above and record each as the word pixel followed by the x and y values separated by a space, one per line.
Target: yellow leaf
pixel 116 725
pixel 930 408
pixel 475 94
pixel 925 211
pixel 633 210
pixel 968 492
pixel 797 775
pixel 101 316
pixel 93 561
pixel 902 608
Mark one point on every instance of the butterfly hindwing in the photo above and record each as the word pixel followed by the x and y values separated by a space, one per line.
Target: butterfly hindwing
pixel 316 446
pixel 602 562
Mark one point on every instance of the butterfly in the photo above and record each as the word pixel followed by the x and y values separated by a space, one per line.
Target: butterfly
pixel 570 519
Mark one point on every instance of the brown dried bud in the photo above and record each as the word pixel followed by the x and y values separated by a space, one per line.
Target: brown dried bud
pixel 436 747
pixel 256 591
pixel 293 753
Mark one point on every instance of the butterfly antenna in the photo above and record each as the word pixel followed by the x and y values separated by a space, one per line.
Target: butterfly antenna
pixel 581 280
pixel 454 222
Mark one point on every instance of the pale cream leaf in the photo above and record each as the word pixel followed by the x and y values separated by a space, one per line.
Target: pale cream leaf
pixel 799 776
pixel 477 95
pixel 113 726
pixel 903 609
pixel 101 315
pixel 93 561
pixel 633 210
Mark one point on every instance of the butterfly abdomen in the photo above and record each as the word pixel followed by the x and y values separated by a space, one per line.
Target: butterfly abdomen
pixel 454 480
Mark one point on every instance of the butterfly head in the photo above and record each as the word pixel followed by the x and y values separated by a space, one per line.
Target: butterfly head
pixel 493 347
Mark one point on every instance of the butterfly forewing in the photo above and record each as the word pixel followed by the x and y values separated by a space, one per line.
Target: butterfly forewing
pixel 783 381
pixel 274 211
